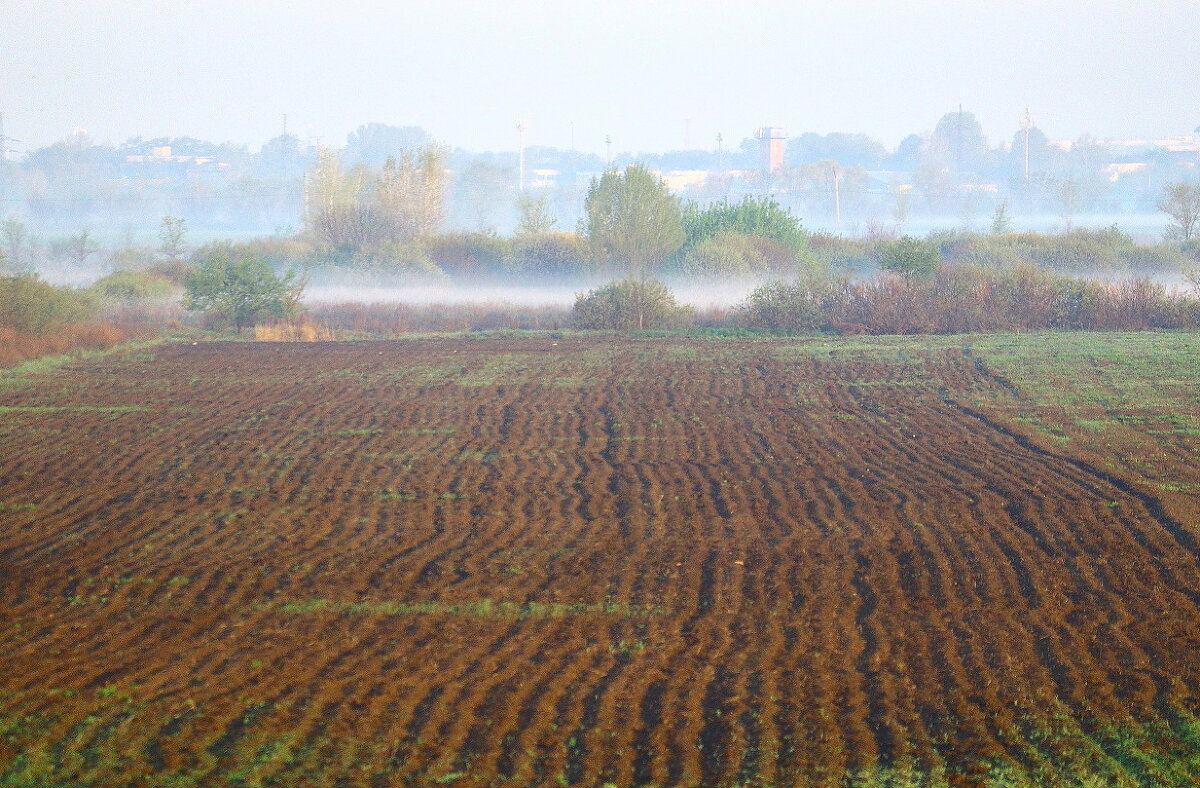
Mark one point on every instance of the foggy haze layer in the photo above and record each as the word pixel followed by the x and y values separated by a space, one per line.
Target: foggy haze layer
pixel 654 76
pixel 721 295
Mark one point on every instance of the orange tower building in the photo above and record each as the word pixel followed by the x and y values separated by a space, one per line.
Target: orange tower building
pixel 770 139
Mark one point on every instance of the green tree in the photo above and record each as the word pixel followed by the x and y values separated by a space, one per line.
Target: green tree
pixel 910 257
pixel 171 233
pixel 1181 201
pixel 374 143
pixel 957 141
pixel 758 216
pixel 631 221
pixel 536 216
pixel 241 287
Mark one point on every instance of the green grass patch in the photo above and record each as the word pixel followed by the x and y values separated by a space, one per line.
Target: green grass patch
pixel 479 608
pixel 35 409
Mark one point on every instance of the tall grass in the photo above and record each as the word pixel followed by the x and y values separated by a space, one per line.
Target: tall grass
pixel 16 347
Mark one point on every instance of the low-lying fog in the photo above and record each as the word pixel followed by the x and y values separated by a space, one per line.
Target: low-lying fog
pixel 701 297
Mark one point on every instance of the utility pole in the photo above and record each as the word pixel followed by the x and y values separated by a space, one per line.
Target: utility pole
pixel 521 155
pixel 837 199
pixel 959 157
pixel 608 149
pixel 1026 123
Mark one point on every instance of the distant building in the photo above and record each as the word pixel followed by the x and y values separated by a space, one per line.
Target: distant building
pixel 678 180
pixel 1115 171
pixel 161 154
pixel 771 139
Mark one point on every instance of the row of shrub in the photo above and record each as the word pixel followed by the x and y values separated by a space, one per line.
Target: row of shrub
pixel 38 318
pixel 747 244
pixel 29 305
pixel 955 299
pixel 1085 252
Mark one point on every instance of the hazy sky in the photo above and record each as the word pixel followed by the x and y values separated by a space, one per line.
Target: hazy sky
pixel 654 75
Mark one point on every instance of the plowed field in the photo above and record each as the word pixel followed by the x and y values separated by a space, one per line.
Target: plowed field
pixel 579 561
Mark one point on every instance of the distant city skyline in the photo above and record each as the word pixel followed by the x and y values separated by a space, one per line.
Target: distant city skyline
pixel 654 77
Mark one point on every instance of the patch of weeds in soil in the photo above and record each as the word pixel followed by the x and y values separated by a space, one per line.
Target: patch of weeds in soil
pixel 1051 431
pixel 1178 486
pixel 357 432
pixel 428 431
pixel 394 494
pixel 40 409
pixel 1096 425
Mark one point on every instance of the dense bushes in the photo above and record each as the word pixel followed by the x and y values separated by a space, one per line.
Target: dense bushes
pixel 554 256
pixel 783 308
pixel 37 318
pixel 406 260
pixel 29 305
pixel 737 256
pixel 630 304
pixel 963 299
pixel 755 237
pixel 126 285
pixel 909 257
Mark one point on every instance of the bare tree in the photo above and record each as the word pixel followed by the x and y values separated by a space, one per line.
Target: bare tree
pixel 79 247
pixel 409 193
pixel 1067 191
pixel 15 237
pixel 536 216
pixel 1181 201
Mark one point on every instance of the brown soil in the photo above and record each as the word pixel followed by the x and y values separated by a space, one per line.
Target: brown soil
pixel 580 561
